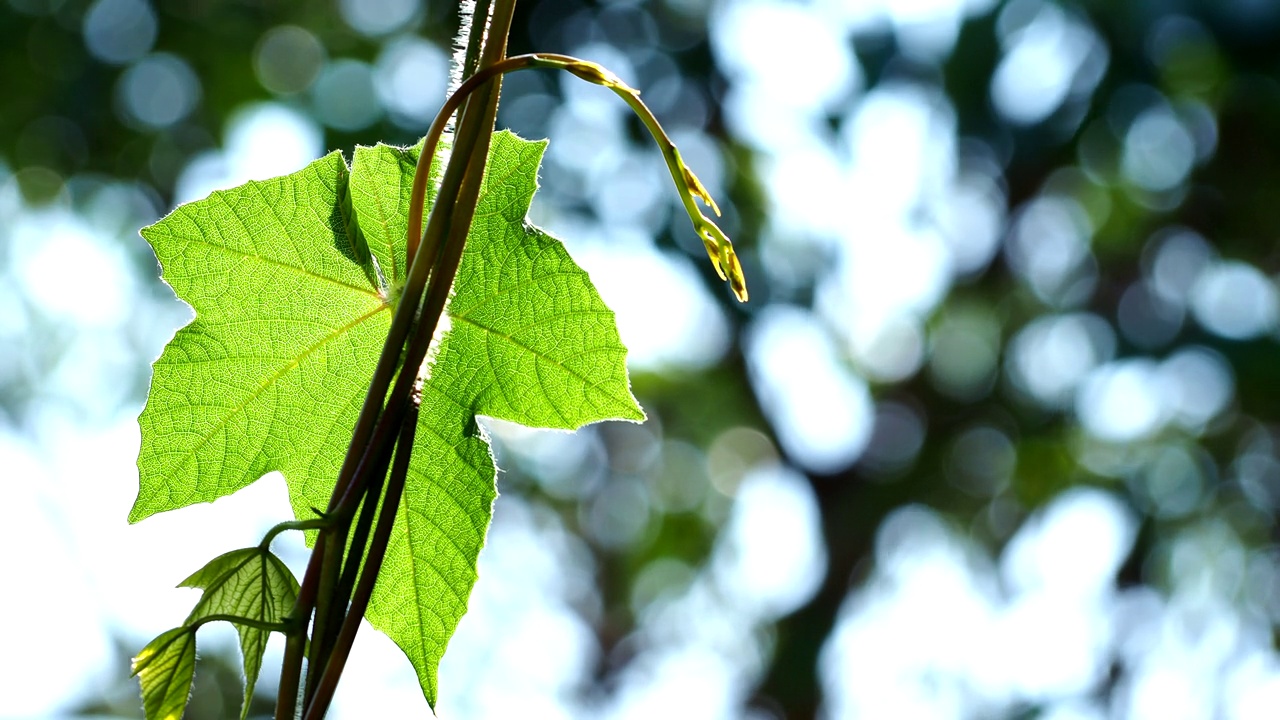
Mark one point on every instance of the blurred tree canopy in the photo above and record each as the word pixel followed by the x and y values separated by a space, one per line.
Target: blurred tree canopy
pixel 1117 331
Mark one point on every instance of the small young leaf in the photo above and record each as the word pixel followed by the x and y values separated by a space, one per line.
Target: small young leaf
pixel 251 583
pixel 165 668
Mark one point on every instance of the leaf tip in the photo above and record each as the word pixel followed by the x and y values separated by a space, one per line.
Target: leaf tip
pixel 137 513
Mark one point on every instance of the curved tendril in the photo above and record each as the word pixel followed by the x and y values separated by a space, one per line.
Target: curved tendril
pixel 719 248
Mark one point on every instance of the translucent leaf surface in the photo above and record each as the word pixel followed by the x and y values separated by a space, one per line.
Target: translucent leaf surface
pixel 289 321
pixel 165 668
pixel 531 342
pixel 271 372
pixel 250 583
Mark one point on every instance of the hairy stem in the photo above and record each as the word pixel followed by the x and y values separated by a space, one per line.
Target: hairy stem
pixel 475 38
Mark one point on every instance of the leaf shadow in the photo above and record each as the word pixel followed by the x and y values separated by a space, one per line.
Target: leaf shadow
pixel 347 237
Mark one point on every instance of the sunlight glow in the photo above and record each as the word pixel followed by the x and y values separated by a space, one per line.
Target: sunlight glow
pixel 663 310
pixel 822 413
pixel 772 559
pixel 262 141
pixel 934 634
pixel 1049 56
pixel 1052 355
pixel 54 251
pixel 1235 300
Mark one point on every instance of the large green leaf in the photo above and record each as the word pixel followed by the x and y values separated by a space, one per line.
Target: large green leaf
pixel 531 342
pixel 250 583
pixel 290 316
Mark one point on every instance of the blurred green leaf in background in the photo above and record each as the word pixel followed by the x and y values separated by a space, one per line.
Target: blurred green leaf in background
pixel 995 438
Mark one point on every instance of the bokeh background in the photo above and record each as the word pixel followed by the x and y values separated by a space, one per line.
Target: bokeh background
pixel 996 436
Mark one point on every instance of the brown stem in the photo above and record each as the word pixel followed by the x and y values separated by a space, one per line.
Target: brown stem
pixel 369 477
pixel 336 658
pixel 295 645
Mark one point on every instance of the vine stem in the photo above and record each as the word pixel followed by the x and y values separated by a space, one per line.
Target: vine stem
pixel 424 296
pixel 314 524
pixel 296 644
pixel 337 658
pixel 329 615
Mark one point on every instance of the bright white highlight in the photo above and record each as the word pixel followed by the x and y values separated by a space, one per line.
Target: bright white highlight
pixel 61 262
pixel 1235 300
pixel 1049 357
pixel 1134 399
pixel 822 413
pixel 932 634
pixel 1046 60
pixel 772 558
pixel 263 141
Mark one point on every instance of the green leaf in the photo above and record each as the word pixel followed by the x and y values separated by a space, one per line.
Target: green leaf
pixel 165 668
pixel 271 373
pixel 250 583
pixel 289 322
pixel 380 189
pixel 531 342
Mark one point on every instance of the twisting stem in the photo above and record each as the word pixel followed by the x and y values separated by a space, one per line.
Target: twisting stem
pixel 368 479
pixel 454 208
pixel 295 647
pixel 382 412
pixel 360 535
pixel 336 659
pixel 452 220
